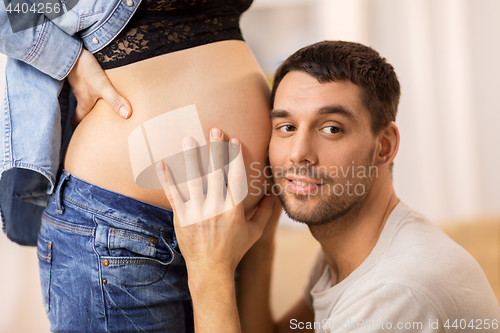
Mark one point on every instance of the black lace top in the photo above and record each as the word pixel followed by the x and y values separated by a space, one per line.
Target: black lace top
pixel 163 26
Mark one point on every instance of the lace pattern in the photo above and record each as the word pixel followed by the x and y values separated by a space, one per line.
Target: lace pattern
pixel 163 26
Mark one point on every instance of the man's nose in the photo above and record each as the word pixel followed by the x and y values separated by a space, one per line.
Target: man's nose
pixel 302 149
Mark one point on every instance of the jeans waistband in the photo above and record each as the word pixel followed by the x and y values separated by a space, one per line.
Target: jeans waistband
pixel 80 194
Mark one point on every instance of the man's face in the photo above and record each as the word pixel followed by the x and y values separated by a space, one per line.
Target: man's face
pixel 322 148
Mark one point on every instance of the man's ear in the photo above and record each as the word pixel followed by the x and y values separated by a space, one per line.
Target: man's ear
pixel 388 145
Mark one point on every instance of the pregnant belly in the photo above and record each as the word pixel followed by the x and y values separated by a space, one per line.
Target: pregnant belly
pixel 221 79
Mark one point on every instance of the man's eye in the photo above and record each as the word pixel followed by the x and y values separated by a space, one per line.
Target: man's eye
pixel 331 130
pixel 286 128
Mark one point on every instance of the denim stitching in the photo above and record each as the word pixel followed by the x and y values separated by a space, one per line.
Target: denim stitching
pixel 117 261
pixel 98 211
pixel 59 191
pixel 19 164
pixel 61 225
pixel 41 255
pixel 126 235
pixel 8 126
pixel 114 13
pixel 142 262
pixel 69 9
pixel 40 40
pixel 99 268
pixel 114 217
pixel 92 14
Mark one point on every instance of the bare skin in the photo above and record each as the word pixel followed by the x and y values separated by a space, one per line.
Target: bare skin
pixel 301 95
pixel 89 84
pixel 302 137
pixel 311 141
pixel 222 79
pixel 216 244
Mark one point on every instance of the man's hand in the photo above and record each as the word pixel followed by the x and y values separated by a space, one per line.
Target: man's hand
pixel 90 83
pixel 212 234
pixel 213 245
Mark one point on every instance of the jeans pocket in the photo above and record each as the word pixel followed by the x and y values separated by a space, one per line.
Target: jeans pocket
pixel 130 255
pixel 125 243
pixel 44 252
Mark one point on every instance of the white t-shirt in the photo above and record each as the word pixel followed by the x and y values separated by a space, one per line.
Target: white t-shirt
pixel 416 279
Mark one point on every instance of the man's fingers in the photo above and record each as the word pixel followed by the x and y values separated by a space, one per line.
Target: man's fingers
pixel 217 148
pixel 264 212
pixel 270 228
pixel 193 175
pixel 216 182
pixel 117 102
pixel 165 178
pixel 237 177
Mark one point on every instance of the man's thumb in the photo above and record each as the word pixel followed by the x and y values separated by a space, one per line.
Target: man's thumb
pixel 264 212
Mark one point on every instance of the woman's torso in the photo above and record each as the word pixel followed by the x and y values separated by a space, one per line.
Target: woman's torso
pixel 222 79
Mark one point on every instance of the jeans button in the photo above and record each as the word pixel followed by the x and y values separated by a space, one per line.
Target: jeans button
pixel 105 262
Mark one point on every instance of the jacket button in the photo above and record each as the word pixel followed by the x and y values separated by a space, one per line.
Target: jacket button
pixel 105 262
pixel 154 240
pixel 104 281
pixel 95 40
pixel 130 3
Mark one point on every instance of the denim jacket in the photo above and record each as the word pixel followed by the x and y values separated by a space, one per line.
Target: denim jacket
pixel 38 104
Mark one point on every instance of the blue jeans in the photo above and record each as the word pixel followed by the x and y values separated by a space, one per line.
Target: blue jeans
pixel 110 263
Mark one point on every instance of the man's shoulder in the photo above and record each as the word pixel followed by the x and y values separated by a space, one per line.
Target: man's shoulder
pixel 424 261
pixel 418 245
pixel 416 273
pixel 394 301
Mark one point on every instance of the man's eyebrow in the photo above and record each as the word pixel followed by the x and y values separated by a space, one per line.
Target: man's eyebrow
pixel 331 109
pixel 279 114
pixel 336 109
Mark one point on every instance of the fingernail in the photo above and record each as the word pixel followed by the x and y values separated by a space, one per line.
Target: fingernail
pixel 188 142
pixel 234 143
pixel 123 112
pixel 216 133
pixel 159 167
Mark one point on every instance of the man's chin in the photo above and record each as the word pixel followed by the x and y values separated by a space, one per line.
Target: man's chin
pixel 301 208
pixel 317 210
pixel 307 219
pixel 300 201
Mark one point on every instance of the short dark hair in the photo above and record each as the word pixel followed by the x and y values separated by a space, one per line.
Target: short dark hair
pixel 329 61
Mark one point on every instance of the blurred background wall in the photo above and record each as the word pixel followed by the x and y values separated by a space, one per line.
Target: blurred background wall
pixel 445 53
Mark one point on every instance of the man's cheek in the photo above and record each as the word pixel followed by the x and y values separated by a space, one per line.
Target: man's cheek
pixel 273 153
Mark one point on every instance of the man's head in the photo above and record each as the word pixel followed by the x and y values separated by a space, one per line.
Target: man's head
pixel 334 106
pixel 329 61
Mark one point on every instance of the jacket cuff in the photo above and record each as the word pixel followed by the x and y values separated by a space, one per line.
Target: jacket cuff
pixel 54 43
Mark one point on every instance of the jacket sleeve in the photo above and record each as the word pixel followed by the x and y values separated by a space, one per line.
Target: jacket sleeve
pixel 38 46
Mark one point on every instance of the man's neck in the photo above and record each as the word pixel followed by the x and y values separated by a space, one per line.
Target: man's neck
pixel 347 242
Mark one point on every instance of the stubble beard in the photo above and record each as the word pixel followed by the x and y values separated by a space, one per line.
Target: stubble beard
pixel 330 207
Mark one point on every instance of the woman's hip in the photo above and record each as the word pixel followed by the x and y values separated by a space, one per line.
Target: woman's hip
pixel 110 262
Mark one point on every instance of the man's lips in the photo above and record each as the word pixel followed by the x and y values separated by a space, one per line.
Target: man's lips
pixel 301 185
pixel 302 179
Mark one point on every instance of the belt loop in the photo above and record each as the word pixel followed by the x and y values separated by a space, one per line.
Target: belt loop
pixel 59 192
